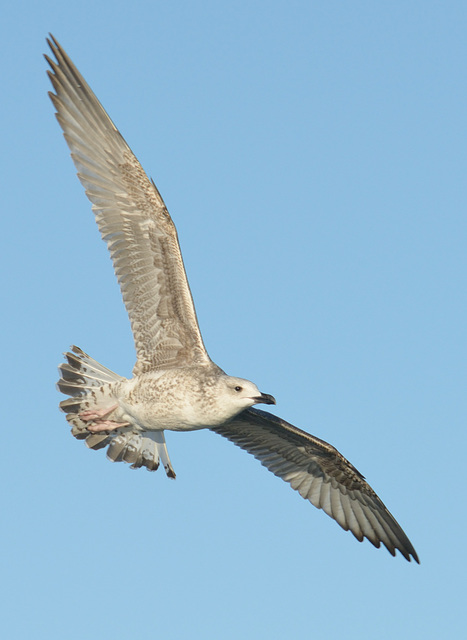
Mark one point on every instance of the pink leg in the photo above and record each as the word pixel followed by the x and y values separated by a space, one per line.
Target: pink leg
pixel 106 425
pixel 92 414
pixel 96 415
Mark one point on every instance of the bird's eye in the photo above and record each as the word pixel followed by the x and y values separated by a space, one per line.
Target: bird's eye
pixel 238 388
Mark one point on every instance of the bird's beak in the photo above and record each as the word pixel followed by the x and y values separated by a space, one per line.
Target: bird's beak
pixel 264 398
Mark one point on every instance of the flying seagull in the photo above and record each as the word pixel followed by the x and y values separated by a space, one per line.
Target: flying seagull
pixel 175 385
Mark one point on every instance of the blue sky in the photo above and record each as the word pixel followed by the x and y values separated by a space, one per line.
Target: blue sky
pixel 313 157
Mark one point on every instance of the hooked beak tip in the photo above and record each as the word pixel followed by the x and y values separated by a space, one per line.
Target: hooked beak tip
pixel 265 398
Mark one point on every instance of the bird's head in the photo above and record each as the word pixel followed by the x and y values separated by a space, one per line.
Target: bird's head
pixel 239 394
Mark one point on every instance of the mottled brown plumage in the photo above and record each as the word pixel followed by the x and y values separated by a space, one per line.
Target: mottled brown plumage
pixel 175 385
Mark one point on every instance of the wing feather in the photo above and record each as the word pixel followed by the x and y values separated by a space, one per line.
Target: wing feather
pixel 320 474
pixel 134 222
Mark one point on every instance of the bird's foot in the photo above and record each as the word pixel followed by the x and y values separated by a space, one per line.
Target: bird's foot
pixel 96 415
pixel 93 414
pixel 106 425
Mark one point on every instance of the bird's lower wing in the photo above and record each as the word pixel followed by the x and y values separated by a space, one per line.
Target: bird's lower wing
pixel 320 474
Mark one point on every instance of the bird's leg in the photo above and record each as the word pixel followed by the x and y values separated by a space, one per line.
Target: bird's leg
pixel 106 425
pixel 92 415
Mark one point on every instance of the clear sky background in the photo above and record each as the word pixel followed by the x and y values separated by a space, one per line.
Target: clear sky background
pixel 313 157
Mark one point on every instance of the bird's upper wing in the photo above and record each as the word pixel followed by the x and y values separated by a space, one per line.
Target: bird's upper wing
pixel 134 222
pixel 320 474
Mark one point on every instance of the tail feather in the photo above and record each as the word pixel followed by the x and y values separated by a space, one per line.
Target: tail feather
pixel 98 440
pixel 71 405
pixel 69 374
pixel 88 367
pixel 92 386
pixel 74 389
pixel 136 450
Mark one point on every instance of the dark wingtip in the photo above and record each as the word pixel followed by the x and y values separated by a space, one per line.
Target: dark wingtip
pixel 414 556
pixel 52 41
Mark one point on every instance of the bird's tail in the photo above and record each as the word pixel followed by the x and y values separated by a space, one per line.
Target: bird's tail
pixel 91 388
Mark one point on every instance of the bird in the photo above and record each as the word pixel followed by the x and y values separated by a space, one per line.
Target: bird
pixel 175 385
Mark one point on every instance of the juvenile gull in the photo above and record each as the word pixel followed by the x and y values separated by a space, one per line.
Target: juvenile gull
pixel 175 385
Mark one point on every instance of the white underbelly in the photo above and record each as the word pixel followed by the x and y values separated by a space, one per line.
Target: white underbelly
pixel 154 417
